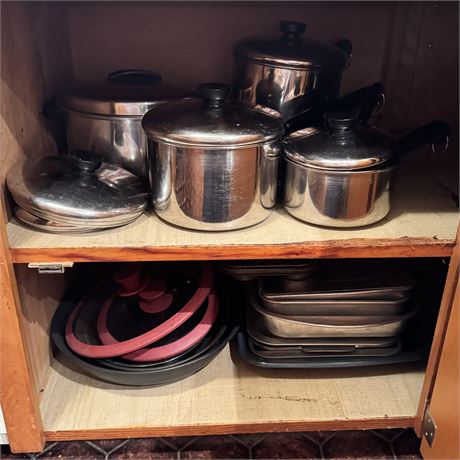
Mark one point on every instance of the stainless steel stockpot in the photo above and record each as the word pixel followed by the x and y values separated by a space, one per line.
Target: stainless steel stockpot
pixel 213 163
pixel 287 73
pixel 340 176
pixel 107 118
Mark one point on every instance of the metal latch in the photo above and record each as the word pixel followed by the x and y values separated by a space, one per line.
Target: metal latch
pixel 51 268
pixel 429 428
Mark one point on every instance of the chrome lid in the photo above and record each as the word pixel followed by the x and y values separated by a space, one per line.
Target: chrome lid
pixel 78 189
pixel 292 51
pixel 126 93
pixel 341 145
pixel 212 121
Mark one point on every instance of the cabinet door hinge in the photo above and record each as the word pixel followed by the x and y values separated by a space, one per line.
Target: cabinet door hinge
pixel 429 428
pixel 51 268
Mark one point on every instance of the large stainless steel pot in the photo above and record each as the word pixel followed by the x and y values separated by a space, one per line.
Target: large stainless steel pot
pixel 213 163
pixel 287 73
pixel 107 118
pixel 340 176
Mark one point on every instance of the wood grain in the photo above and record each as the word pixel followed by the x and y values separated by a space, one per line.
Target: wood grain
pixel 230 395
pixel 447 302
pixel 445 401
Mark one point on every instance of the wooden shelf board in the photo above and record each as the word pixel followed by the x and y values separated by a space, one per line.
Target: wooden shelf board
pixel 422 223
pixel 230 396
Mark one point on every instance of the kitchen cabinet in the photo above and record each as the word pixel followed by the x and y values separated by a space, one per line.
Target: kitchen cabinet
pixel 412 47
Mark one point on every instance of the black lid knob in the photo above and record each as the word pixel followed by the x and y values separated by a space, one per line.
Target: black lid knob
pixel 214 94
pixel 342 120
pixel 86 161
pixel 292 30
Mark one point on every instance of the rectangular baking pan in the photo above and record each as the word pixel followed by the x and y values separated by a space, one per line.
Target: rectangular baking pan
pixel 299 352
pixel 257 331
pixel 354 307
pixel 405 356
pixel 333 326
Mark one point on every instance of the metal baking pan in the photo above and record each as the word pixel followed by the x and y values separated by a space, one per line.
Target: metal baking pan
pixel 333 326
pixel 335 307
pixel 279 289
pixel 299 352
pixel 257 331
pixel 405 356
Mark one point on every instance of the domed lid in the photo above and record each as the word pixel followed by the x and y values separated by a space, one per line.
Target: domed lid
pixel 212 121
pixel 292 51
pixel 78 189
pixel 341 145
pixel 126 93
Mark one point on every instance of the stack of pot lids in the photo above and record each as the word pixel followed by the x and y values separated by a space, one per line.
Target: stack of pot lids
pixel 75 193
pixel 341 145
pixel 145 327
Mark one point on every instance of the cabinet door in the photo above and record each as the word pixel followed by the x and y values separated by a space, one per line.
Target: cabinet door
pixel 445 401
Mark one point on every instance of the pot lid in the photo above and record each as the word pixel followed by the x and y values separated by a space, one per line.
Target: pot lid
pixel 78 189
pixel 212 121
pixel 292 51
pixel 342 144
pixel 126 93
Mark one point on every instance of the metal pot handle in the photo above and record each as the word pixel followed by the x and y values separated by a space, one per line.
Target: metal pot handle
pixel 134 77
pixel 434 133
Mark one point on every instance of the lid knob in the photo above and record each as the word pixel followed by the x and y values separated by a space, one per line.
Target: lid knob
pixel 214 94
pixel 292 30
pixel 86 161
pixel 341 120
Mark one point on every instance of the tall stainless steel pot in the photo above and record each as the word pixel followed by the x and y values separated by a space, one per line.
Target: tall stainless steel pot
pixel 287 73
pixel 213 163
pixel 107 118
pixel 340 176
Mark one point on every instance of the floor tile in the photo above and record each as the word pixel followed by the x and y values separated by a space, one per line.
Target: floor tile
pixel 389 433
pixel 320 436
pixel 249 440
pixel 214 447
pixel 357 445
pixel 179 442
pixel 71 450
pixel 6 454
pixel 145 448
pixel 407 445
pixel 286 445
pixel 108 445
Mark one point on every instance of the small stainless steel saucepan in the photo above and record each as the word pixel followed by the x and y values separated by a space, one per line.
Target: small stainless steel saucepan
pixel 340 175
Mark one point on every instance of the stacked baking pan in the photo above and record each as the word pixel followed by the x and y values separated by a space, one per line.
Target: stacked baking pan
pixel 341 315
pixel 143 326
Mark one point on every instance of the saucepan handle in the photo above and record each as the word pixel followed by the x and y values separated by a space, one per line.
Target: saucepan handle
pixel 434 133
pixel 345 45
pixel 370 99
pixel 134 77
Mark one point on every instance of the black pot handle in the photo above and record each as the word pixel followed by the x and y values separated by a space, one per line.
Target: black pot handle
pixel 434 133
pixel 347 47
pixel 134 77
pixel 370 99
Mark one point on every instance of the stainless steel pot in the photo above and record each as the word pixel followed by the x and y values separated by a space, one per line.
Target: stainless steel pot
pixel 287 73
pixel 340 176
pixel 213 163
pixel 107 118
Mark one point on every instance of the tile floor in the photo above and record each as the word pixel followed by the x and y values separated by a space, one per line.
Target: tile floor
pixel 369 445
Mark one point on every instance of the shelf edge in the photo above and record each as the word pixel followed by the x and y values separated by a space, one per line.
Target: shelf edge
pixel 352 248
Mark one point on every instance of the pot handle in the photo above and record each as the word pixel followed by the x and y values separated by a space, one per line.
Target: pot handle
pixel 370 99
pixel 134 77
pixel 434 133
pixel 345 45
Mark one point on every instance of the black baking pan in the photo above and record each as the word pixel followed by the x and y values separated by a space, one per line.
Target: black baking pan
pixel 405 356
pixel 151 377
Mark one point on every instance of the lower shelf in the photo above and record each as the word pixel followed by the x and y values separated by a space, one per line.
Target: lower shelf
pixel 230 396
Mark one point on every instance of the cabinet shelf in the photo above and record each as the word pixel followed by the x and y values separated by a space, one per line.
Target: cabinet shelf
pixel 230 396
pixel 422 223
